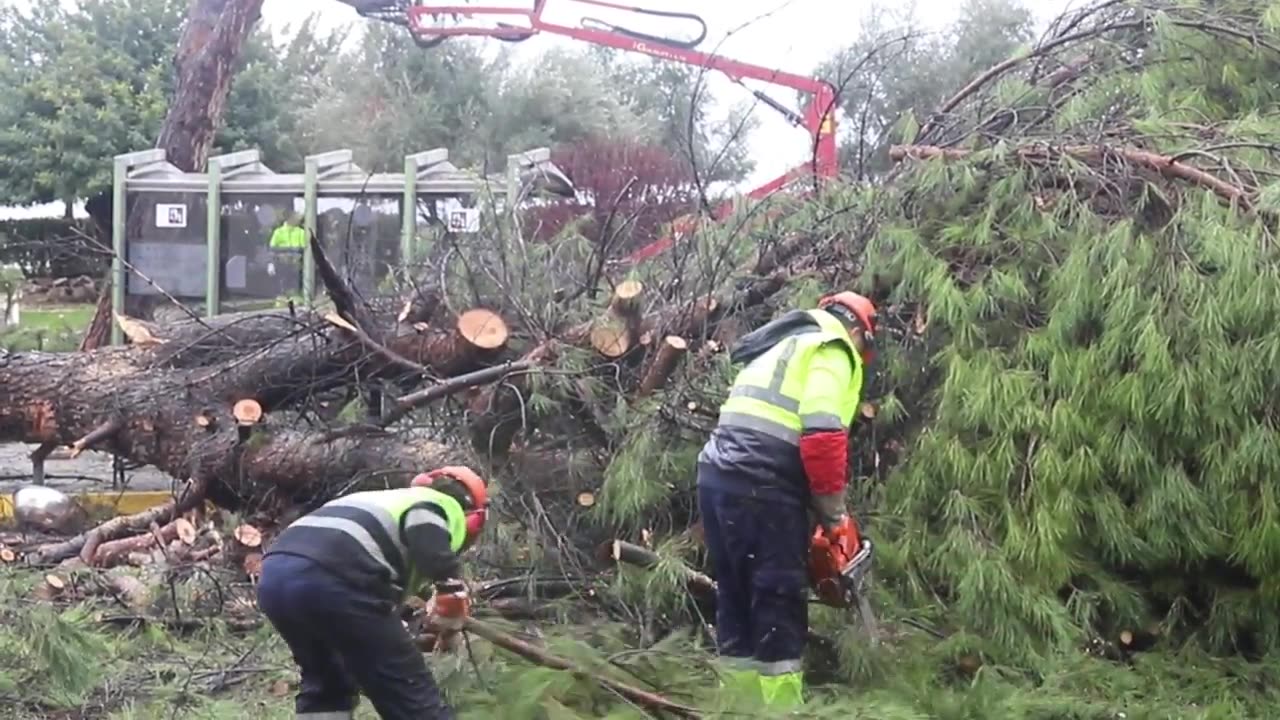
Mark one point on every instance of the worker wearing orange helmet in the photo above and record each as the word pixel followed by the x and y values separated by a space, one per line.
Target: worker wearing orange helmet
pixel 779 451
pixel 333 581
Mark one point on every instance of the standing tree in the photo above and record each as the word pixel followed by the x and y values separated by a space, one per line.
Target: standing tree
pixel 207 55
pixel 895 72
pixel 77 85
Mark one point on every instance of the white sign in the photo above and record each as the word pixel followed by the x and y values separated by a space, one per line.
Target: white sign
pixel 171 216
pixel 464 220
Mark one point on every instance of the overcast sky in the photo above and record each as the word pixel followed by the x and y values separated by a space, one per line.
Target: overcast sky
pixel 793 35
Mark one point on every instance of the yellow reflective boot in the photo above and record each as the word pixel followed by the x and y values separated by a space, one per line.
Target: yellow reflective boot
pixel 784 691
pixel 741 686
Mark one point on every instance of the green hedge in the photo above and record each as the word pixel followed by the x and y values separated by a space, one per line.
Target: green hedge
pixel 54 247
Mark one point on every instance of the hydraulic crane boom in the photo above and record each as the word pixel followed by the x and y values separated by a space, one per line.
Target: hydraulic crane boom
pixel 426 22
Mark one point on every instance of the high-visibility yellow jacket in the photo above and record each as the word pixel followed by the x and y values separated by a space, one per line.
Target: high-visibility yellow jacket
pixel 392 540
pixel 803 389
pixel 288 237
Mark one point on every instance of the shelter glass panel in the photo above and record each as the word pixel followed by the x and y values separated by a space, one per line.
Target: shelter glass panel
pixel 361 236
pixel 263 238
pixel 165 247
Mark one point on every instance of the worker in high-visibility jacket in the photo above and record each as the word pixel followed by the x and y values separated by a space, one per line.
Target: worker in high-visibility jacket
pixel 287 244
pixel 333 581
pixel 779 451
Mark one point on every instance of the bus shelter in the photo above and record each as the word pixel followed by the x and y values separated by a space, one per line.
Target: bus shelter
pixel 236 235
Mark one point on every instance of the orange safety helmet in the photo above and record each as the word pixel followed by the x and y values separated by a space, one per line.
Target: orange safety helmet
pixel 858 309
pixel 475 487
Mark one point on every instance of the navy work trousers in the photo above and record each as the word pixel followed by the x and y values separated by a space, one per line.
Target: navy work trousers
pixel 346 640
pixel 759 551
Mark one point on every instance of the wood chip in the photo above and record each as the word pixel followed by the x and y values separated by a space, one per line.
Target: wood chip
pixel 339 321
pixel 186 531
pixel 55 582
pixel 248 536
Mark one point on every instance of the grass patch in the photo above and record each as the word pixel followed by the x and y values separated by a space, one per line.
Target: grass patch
pixel 50 328
pixel 62 661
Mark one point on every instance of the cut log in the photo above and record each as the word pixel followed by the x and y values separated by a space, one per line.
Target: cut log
pixel 248 536
pixel 664 363
pixel 185 530
pixel 86 544
pixel 110 554
pixel 7 555
pixel 483 329
pixel 610 340
pixel 247 412
pixel 626 298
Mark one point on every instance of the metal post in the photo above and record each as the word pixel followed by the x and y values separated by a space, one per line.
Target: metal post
pixel 310 200
pixel 213 241
pixel 120 174
pixel 409 212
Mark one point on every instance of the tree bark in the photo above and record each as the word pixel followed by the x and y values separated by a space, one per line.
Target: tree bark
pixel 204 64
pixel 208 51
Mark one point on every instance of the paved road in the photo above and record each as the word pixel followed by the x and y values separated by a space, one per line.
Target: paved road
pixel 90 471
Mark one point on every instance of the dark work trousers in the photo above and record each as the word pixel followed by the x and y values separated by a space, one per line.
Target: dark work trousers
pixel 759 552
pixel 346 640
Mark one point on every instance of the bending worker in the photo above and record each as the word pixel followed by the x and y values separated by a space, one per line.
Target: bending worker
pixel 780 448
pixel 333 581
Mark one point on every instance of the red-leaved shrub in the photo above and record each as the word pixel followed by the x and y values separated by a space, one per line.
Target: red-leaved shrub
pixel 627 193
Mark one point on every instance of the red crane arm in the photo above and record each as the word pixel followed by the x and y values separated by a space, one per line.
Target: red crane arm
pixel 818 117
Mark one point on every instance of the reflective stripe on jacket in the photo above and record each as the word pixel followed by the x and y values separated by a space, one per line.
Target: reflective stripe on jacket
pixel 795 386
pixel 288 237
pixel 361 536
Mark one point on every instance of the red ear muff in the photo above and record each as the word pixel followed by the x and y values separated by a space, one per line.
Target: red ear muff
pixel 475 522
pixel 475 487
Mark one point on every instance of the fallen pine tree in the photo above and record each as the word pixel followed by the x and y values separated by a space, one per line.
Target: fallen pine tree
pixel 1074 431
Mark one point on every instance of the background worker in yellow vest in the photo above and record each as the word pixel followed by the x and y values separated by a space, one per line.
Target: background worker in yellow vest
pixel 287 243
pixel 333 581
pixel 779 450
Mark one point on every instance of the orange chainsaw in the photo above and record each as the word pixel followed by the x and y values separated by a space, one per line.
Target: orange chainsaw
pixel 839 563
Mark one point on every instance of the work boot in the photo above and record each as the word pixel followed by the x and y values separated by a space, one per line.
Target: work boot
pixel 740 682
pixel 783 692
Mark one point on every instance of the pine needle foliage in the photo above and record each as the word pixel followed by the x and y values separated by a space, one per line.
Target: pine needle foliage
pixel 1097 444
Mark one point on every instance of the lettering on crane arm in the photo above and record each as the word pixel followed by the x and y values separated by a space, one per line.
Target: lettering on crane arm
pixel 645 48
pixel 825 128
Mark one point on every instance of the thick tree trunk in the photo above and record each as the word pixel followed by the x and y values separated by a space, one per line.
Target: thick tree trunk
pixel 204 64
pixel 180 421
